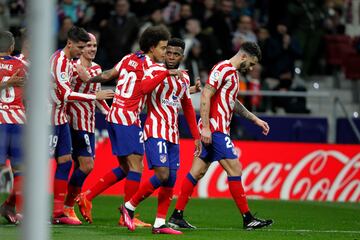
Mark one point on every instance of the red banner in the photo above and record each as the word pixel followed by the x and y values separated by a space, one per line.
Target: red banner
pixel 322 172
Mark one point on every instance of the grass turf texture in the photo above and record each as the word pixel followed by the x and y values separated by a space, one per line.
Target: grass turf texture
pixel 218 219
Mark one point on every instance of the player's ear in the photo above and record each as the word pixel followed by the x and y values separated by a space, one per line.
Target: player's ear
pixel 69 43
pixel 12 47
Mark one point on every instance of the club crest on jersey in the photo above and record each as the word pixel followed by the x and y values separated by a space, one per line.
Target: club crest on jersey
pixel 133 64
pixel 163 158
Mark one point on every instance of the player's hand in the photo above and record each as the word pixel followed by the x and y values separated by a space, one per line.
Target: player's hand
pixel 83 73
pixel 105 94
pixel 15 80
pixel 196 88
pixel 264 125
pixel 198 147
pixel 176 72
pixel 206 136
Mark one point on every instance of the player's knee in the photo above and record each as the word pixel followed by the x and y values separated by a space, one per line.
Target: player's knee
pixel 87 165
pixel 162 174
pixel 172 179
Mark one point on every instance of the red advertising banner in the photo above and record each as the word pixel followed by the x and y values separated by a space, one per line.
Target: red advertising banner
pixel 323 172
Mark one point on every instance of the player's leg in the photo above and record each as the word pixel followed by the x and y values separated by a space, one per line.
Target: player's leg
pixel 233 169
pixel 60 141
pixel 157 157
pixel 122 149
pixel 83 153
pixel 197 171
pixel 165 193
pixel 9 147
pixel 135 165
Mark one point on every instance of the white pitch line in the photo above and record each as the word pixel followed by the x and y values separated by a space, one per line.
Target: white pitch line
pixel 208 229
pixel 282 230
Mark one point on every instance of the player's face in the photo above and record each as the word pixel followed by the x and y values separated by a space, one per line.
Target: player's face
pixel 90 49
pixel 247 64
pixel 159 51
pixel 174 56
pixel 76 48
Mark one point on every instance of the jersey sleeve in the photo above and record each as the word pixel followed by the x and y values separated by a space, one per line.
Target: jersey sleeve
pixel 190 116
pixel 153 76
pixel 215 78
pixel 62 80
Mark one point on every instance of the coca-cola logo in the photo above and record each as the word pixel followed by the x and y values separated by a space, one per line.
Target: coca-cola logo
pixel 326 175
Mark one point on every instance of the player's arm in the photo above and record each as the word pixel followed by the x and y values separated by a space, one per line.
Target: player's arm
pixel 154 76
pixel 63 84
pixel 205 100
pixel 14 81
pixel 102 106
pixel 190 116
pixel 197 87
pixel 102 77
pixel 241 110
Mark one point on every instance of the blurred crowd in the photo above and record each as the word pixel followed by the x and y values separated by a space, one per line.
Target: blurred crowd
pixel 289 32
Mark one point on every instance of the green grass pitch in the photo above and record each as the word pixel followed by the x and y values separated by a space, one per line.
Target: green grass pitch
pixel 218 219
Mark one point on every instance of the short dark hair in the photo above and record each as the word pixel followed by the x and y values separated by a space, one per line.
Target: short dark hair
pixel 177 42
pixel 252 49
pixel 78 34
pixel 6 41
pixel 152 36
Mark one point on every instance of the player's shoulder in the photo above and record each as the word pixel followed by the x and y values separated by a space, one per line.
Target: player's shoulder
pixel 186 76
pixel 94 65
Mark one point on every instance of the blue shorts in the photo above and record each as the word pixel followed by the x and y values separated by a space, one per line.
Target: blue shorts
pixel 60 141
pixel 162 153
pixel 221 148
pixel 83 143
pixel 11 143
pixel 126 140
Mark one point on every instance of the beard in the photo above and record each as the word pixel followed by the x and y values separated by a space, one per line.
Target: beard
pixel 172 67
pixel 243 68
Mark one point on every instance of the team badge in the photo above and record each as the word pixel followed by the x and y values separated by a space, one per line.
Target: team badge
pixel 163 158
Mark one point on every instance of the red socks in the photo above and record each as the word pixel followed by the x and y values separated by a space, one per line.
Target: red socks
pixel 187 189
pixel 238 194
pixel 164 200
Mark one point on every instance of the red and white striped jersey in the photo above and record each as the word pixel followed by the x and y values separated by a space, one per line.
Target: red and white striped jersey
pixel 163 106
pixel 82 114
pixel 12 110
pixel 61 93
pixel 129 99
pixel 225 79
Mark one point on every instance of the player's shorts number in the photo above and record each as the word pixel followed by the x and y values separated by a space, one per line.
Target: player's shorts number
pixel 53 139
pixel 162 147
pixel 126 83
pixel 87 139
pixel 7 95
pixel 229 144
pixel 141 137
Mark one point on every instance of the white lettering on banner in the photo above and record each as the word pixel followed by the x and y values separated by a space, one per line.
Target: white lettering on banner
pixel 308 179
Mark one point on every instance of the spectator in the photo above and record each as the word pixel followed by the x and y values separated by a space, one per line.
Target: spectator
pixel 203 10
pixel 118 34
pixel 178 27
pixel 4 17
pixel 222 25
pixel 65 25
pixel 243 33
pixel 71 8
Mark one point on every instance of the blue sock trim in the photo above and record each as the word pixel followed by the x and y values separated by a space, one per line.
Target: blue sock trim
pixel 119 173
pixel 17 174
pixel 77 178
pixel 234 178
pixel 191 178
pixel 134 176
pixel 172 178
pixel 155 182
pixel 63 170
